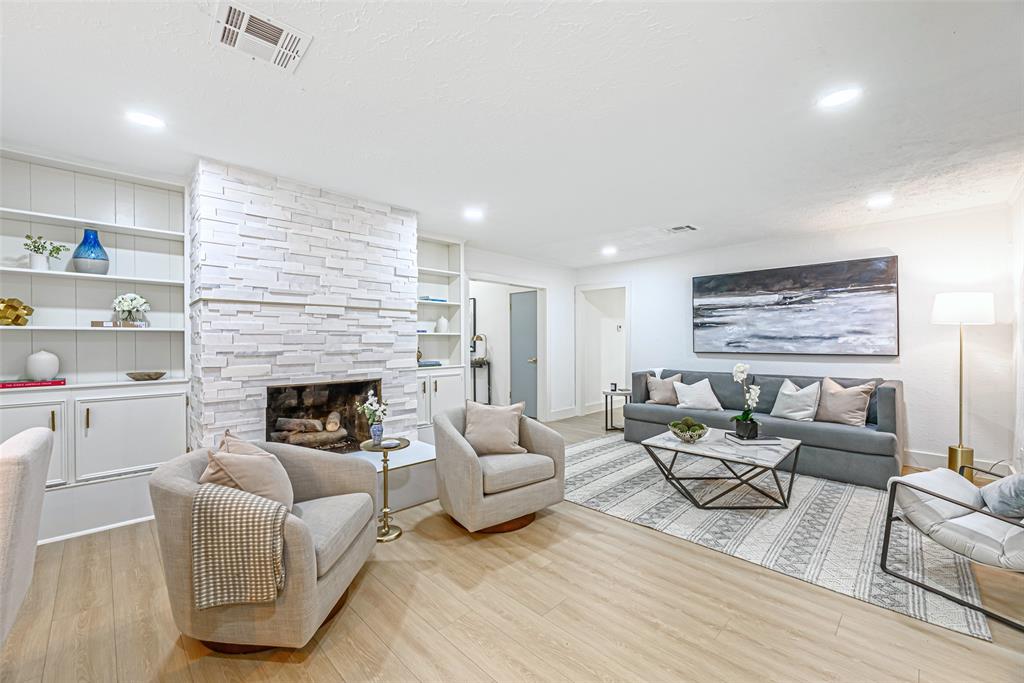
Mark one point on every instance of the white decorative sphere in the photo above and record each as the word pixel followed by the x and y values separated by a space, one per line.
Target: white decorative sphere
pixel 42 366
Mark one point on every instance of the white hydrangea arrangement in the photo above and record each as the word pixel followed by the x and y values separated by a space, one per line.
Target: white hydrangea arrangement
pixel 130 306
pixel 751 393
pixel 374 410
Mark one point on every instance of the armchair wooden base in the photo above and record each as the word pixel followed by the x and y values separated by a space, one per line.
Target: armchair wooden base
pixel 510 525
pixel 243 649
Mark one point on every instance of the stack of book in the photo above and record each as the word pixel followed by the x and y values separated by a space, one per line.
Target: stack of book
pixel 759 441
pixel 31 383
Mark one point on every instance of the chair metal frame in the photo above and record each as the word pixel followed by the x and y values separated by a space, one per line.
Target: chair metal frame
pixel 892 517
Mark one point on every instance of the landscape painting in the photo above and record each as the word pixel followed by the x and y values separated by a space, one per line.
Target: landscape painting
pixel 844 308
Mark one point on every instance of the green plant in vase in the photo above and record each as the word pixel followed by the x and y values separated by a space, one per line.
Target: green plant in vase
pixel 41 250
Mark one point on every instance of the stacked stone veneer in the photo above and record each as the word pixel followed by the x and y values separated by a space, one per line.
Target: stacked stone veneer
pixel 294 284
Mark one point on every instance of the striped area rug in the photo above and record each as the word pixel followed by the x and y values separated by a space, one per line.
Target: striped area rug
pixel 831 535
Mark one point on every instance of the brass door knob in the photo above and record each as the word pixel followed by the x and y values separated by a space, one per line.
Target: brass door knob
pixel 532 361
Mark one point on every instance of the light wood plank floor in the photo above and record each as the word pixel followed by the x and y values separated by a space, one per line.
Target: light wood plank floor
pixel 575 596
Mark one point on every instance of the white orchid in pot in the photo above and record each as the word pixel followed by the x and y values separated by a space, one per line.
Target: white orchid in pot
pixel 746 425
pixel 374 410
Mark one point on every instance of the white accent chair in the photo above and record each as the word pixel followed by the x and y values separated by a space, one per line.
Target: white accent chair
pixel 24 461
pixel 497 493
pixel 950 510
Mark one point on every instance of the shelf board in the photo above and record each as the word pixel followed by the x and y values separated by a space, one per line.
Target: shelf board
pixel 98 385
pixel 81 328
pixel 440 273
pixel 439 334
pixel 439 367
pixel 90 276
pixel 74 222
pixel 420 302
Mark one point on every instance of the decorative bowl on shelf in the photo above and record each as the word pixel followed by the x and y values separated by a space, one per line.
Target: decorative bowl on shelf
pixel 145 376
pixel 688 430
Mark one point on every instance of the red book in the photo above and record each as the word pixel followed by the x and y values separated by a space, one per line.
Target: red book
pixel 28 383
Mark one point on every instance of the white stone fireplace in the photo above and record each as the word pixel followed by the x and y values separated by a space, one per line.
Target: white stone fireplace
pixel 295 285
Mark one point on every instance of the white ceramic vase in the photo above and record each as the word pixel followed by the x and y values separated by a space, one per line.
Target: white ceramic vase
pixel 38 261
pixel 442 325
pixel 42 366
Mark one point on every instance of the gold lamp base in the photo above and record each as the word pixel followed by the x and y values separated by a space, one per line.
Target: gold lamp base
pixel 961 455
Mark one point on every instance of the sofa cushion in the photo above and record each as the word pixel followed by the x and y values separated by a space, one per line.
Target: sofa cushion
pixel 844 405
pixel 662 415
pixel 662 390
pixel 926 512
pixel 700 396
pixel 729 393
pixel 983 539
pixel 795 403
pixel 829 435
pixel 770 385
pixel 512 470
pixel 334 522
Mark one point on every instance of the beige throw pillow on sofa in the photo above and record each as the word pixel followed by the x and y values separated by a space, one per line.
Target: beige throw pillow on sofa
pixel 663 390
pixel 845 406
pixel 493 430
pixel 249 468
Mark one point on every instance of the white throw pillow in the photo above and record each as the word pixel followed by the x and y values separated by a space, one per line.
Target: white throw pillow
pixel 794 403
pixel 698 396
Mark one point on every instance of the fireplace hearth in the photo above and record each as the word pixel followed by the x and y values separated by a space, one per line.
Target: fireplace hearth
pixel 321 416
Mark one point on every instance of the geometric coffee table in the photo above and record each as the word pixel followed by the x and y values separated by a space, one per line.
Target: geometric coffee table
pixel 754 461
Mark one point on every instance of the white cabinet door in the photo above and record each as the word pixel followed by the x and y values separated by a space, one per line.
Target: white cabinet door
pixel 447 391
pixel 124 434
pixel 422 401
pixel 50 414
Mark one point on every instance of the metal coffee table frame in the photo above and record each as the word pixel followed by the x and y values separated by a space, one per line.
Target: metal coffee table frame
pixel 781 502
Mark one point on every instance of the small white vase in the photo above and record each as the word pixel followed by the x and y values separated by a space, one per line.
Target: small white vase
pixel 42 366
pixel 442 324
pixel 38 261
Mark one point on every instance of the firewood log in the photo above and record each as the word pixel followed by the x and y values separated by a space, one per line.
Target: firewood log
pixel 294 424
pixel 280 436
pixel 333 422
pixel 317 439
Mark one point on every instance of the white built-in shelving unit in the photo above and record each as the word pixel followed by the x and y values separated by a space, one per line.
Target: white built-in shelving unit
pixel 441 276
pixel 108 429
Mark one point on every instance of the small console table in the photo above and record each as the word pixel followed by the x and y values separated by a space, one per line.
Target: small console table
pixel 609 407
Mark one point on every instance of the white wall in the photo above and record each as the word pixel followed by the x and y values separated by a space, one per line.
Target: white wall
pixel 556 362
pixel 961 251
pixel 492 319
pixel 602 342
pixel 1017 227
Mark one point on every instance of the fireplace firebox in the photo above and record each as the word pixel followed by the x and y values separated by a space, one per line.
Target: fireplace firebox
pixel 321 416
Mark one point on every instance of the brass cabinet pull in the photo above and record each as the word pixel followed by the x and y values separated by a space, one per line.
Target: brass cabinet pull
pixel 53 420
pixel 424 387
pixel 87 418
pixel 435 386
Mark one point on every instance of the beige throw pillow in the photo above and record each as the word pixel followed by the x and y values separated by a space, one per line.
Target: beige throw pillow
pixel 663 390
pixel 846 406
pixel 493 430
pixel 254 471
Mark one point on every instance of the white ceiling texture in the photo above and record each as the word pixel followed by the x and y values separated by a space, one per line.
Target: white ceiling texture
pixel 574 125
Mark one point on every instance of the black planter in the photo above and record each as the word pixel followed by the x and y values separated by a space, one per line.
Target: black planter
pixel 746 430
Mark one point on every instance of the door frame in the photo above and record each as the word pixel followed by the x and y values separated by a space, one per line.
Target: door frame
pixel 543 339
pixel 578 301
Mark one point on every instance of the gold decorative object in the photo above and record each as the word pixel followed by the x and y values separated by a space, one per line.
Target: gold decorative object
pixel 14 312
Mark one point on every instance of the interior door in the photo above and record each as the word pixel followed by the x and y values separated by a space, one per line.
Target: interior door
pixel 523 349
pixel 18 418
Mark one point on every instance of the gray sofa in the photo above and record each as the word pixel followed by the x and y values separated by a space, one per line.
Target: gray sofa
pixel 866 455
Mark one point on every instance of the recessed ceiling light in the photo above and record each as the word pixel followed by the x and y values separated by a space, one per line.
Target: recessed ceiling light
pixel 838 98
pixel 879 201
pixel 473 213
pixel 610 250
pixel 142 119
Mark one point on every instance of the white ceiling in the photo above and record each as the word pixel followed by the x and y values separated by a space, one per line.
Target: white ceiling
pixel 575 125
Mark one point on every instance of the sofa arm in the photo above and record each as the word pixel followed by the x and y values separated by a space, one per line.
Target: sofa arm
pixel 890 396
pixel 640 394
pixel 541 439
pixel 319 474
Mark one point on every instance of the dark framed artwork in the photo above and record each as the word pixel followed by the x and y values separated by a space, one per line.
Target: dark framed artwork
pixel 841 308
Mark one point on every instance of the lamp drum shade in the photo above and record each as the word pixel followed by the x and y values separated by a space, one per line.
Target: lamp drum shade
pixel 964 308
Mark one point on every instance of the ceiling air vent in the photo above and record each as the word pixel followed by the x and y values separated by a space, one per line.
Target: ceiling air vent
pixel 681 228
pixel 260 37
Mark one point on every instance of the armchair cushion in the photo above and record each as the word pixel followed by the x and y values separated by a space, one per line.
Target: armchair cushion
pixel 493 429
pixel 253 471
pixel 927 512
pixel 334 522
pixel 983 539
pixel 513 470
pixel 1005 496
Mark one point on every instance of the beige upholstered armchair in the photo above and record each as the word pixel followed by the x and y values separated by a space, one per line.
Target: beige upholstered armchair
pixel 493 493
pixel 24 460
pixel 328 535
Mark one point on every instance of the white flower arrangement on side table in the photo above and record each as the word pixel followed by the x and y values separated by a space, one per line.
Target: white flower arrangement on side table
pixel 374 410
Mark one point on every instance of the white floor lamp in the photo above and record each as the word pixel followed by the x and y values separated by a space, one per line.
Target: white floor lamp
pixel 963 308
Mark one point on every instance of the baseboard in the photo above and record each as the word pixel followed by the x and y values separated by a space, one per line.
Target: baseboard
pixel 561 413
pixel 86 532
pixel 929 461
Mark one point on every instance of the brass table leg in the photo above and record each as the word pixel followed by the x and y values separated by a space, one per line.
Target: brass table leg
pixel 386 531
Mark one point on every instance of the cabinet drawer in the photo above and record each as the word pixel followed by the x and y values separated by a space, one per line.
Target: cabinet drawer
pixel 49 414
pixel 124 434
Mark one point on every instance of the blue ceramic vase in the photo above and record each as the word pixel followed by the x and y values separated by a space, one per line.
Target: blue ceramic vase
pixel 376 433
pixel 90 256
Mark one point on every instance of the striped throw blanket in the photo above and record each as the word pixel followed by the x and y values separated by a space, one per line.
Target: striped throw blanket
pixel 237 547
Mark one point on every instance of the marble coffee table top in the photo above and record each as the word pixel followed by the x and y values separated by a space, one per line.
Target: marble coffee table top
pixel 715 445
